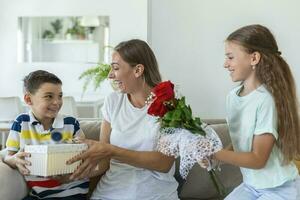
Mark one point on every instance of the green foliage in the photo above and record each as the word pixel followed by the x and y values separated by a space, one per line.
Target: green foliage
pixel 71 31
pixel 96 75
pixel 76 28
pixel 47 34
pixel 181 117
pixel 57 25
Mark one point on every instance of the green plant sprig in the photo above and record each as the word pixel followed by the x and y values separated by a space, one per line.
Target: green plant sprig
pixel 96 75
pixel 181 117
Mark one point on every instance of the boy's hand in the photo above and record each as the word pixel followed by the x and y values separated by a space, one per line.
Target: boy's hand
pixel 18 160
pixel 21 162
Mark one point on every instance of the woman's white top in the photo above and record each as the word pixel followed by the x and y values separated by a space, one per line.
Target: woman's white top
pixel 134 129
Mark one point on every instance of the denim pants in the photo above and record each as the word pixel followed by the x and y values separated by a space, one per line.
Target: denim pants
pixel 287 191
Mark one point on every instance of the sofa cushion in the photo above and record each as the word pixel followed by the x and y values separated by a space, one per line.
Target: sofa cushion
pixel 91 129
pixel 200 186
pixel 222 131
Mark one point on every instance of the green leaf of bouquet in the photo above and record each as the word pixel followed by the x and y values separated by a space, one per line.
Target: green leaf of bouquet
pixel 192 122
pixel 198 131
pixel 169 115
pixel 164 124
pixel 177 115
pixel 187 113
pixel 187 126
pixel 165 120
pixel 190 109
pixel 181 102
pixel 198 121
pixel 175 124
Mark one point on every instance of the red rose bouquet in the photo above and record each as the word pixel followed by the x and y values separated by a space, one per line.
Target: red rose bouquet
pixel 173 112
pixel 182 135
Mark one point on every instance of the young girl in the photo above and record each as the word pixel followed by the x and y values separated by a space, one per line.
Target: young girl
pixel 262 117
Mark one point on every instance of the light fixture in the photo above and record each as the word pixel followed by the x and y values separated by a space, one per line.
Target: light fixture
pixel 89 21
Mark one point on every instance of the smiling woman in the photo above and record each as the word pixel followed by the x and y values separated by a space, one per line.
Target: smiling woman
pixel 126 151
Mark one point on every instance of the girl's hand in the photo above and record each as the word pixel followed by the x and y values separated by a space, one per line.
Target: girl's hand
pixel 209 163
pixel 204 163
pixel 91 157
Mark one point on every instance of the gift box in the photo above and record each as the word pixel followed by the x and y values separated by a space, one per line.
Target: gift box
pixel 50 160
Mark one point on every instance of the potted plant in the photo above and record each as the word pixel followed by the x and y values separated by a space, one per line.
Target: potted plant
pixel 57 26
pixel 70 33
pixel 96 75
pixel 48 35
pixel 75 31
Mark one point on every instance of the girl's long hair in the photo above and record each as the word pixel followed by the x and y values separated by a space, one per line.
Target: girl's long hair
pixel 273 71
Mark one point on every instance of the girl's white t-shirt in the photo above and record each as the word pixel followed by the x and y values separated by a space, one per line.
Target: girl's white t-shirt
pixel 255 114
pixel 134 129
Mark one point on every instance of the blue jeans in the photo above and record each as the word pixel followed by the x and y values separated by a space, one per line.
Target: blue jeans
pixel 287 191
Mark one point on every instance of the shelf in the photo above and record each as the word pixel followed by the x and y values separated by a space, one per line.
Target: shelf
pixel 69 41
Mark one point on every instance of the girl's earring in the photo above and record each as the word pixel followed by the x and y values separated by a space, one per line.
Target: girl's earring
pixel 253 67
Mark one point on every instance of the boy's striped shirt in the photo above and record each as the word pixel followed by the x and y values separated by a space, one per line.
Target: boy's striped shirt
pixel 26 129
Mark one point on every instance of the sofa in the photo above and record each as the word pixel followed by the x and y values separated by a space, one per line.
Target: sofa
pixel 197 186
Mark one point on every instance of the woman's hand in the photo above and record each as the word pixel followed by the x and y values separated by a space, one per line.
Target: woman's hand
pixel 91 158
pixel 17 160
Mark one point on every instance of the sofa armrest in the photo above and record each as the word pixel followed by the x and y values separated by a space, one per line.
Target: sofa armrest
pixel 13 185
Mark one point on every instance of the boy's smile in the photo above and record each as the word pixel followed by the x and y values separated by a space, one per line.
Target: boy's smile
pixel 45 102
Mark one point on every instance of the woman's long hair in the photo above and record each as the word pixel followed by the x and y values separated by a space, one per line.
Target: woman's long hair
pixel 273 71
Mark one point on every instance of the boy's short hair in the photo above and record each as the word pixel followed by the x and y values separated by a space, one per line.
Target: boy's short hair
pixel 34 80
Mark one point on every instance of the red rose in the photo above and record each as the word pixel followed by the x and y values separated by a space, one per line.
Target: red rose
pixel 157 109
pixel 164 92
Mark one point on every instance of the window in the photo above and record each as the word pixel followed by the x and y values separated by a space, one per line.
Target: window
pixel 80 39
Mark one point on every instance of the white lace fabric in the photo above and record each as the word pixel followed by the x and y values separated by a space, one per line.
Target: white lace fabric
pixel 191 148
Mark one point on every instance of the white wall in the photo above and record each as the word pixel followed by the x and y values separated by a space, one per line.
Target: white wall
pixel 128 19
pixel 188 37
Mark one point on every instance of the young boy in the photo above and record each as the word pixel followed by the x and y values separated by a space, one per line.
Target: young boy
pixel 43 94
